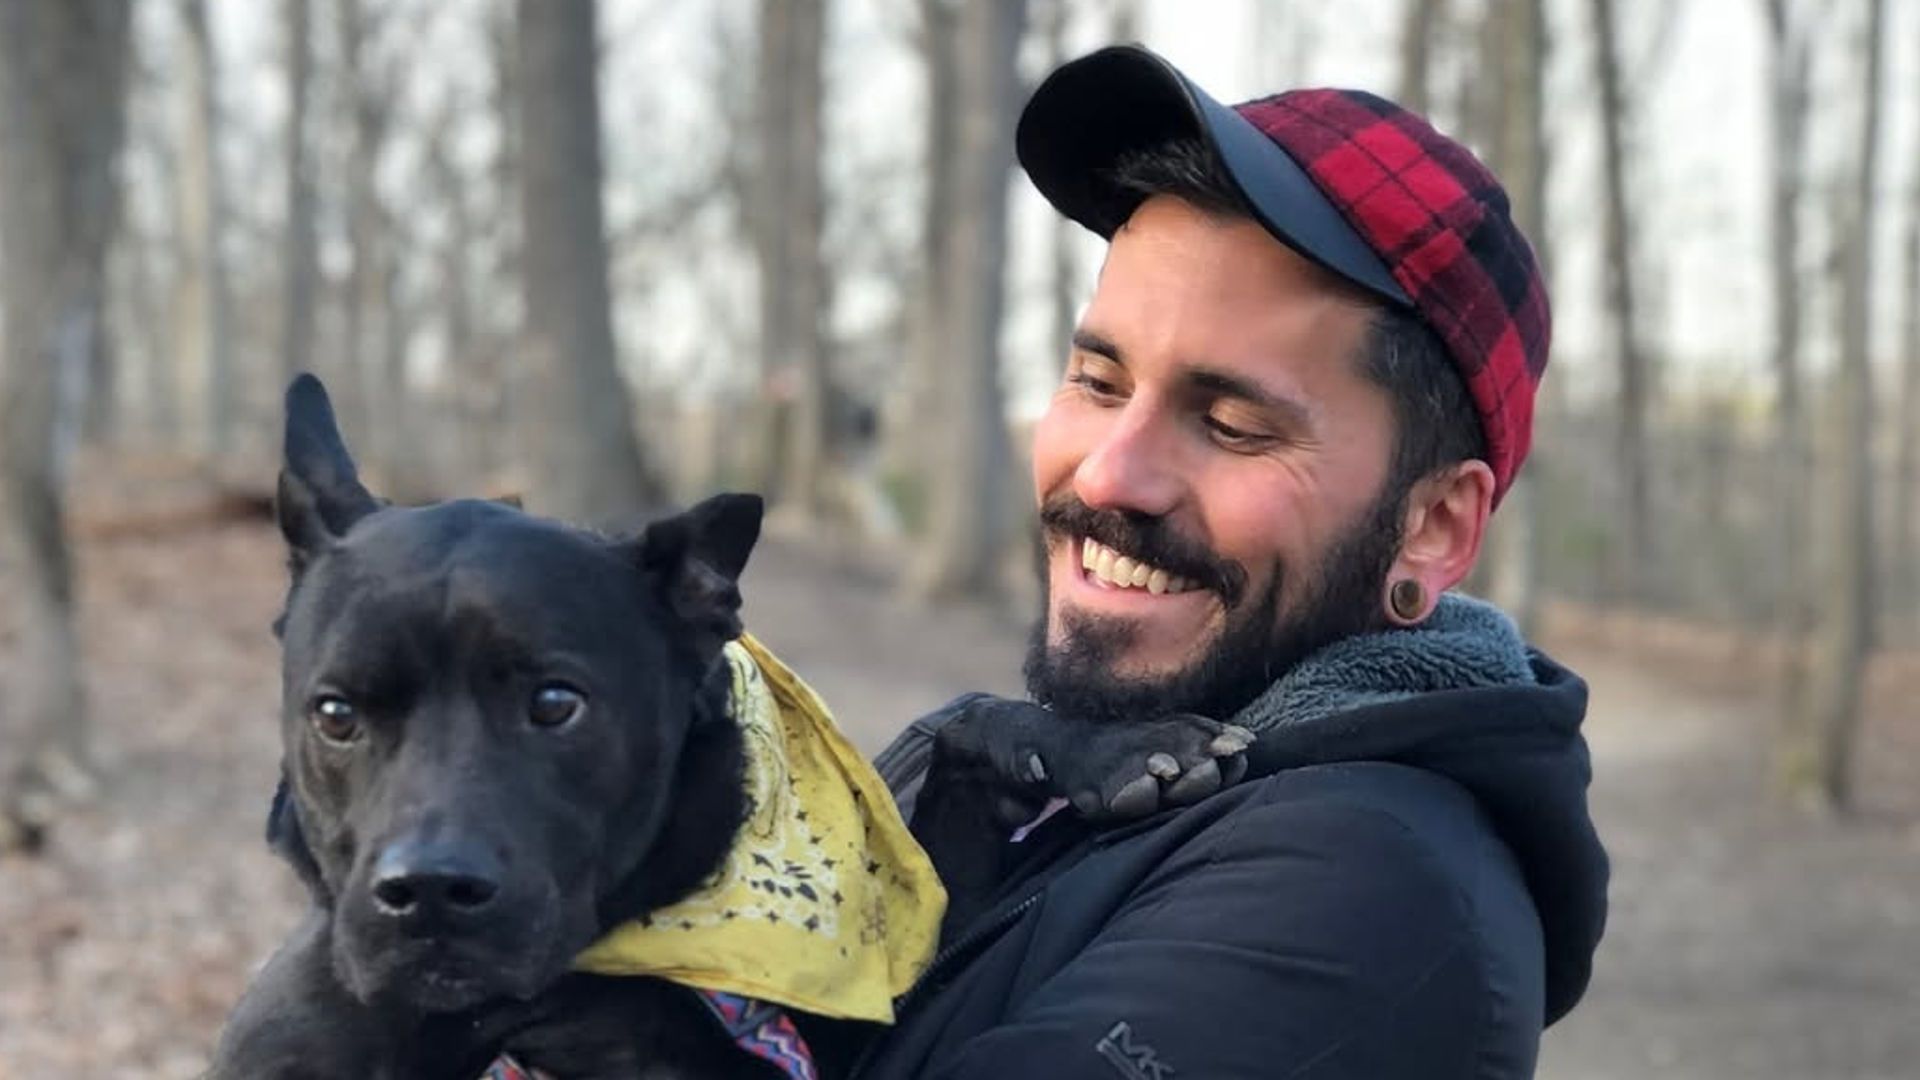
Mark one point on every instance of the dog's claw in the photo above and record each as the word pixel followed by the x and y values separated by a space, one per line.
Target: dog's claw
pixel 1163 765
pixel 1139 798
pixel 1199 782
pixel 1036 769
pixel 1231 740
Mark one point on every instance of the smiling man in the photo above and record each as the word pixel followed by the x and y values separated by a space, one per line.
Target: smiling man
pixel 1303 383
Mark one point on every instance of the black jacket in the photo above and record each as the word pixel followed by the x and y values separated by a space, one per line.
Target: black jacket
pixel 1405 889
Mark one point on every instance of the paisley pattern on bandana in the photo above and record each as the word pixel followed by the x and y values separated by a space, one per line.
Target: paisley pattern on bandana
pixel 826 902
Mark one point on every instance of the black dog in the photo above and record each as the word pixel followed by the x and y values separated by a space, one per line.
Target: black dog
pixel 503 736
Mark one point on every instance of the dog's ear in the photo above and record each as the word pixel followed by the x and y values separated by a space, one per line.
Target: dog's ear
pixel 289 841
pixel 319 495
pixel 697 557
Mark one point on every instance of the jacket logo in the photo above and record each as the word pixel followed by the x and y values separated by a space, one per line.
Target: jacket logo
pixel 1133 1060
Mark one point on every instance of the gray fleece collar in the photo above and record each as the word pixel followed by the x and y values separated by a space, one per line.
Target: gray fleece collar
pixel 1464 643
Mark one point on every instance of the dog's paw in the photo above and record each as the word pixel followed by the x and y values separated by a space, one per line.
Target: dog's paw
pixel 1109 770
pixel 1123 771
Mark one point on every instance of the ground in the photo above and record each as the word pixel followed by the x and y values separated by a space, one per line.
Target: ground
pixel 1746 941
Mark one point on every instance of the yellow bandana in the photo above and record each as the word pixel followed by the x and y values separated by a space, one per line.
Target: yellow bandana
pixel 826 902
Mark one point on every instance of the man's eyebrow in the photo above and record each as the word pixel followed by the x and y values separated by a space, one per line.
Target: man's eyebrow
pixel 1216 383
pixel 1211 382
pixel 1089 341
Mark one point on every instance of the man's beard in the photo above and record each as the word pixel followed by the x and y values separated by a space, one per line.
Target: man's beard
pixel 1256 646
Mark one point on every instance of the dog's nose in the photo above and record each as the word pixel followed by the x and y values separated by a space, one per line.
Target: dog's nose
pixel 412 880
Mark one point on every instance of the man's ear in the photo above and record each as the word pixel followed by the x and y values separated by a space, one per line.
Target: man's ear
pixel 319 495
pixel 289 841
pixel 1445 523
pixel 697 558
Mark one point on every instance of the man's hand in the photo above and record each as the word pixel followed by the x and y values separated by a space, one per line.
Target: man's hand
pixel 1109 771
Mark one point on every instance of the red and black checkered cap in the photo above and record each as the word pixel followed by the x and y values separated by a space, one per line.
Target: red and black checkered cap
pixel 1349 180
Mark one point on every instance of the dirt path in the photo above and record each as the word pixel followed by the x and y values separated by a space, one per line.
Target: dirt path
pixel 1745 943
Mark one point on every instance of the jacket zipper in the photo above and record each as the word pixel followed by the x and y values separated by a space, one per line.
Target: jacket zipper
pixel 934 970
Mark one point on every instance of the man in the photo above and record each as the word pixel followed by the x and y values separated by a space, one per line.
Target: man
pixel 1304 381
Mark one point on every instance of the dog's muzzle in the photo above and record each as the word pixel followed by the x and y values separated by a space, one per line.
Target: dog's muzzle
pixel 441 925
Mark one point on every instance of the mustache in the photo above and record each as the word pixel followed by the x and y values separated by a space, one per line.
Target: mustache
pixel 1146 538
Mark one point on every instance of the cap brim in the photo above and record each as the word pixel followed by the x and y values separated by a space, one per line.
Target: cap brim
pixel 1093 110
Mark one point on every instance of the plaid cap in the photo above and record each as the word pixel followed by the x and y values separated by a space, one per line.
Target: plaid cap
pixel 1349 180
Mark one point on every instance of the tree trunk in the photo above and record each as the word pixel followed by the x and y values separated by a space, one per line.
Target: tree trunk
pixel 165 379
pixel 768 209
pixel 1906 477
pixel 62 103
pixel 789 217
pixel 1420 22
pixel 1819 741
pixel 366 94
pixel 502 274
pixel 207 339
pixel 969 501
pixel 140 323
pixel 909 448
pixel 1631 558
pixel 1480 113
pixel 1064 299
pixel 474 440
pixel 1520 37
pixel 1788 58
pixel 299 266
pixel 587 463
pixel 402 428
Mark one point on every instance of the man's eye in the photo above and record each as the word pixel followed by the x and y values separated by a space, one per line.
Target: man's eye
pixel 335 718
pixel 1232 437
pixel 1099 388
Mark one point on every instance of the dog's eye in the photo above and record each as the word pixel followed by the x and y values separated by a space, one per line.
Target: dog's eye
pixel 335 718
pixel 555 704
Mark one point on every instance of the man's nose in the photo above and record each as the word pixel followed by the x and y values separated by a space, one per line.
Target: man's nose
pixel 1133 467
pixel 435 883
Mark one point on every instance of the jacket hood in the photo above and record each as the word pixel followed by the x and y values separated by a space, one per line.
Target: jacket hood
pixel 1462 696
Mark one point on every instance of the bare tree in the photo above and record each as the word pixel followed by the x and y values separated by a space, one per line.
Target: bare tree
pixel 1064 279
pixel 500 273
pixel 149 249
pixel 1420 23
pixel 455 281
pixel 299 268
pixel 587 462
pixel 935 39
pixel 970 507
pixel 205 332
pixel 789 214
pixel 1063 244
pixel 62 104
pixel 1630 561
pixel 1789 58
pixel 1818 742
pixel 367 87
pixel 140 317
pixel 1515 39
pixel 1906 542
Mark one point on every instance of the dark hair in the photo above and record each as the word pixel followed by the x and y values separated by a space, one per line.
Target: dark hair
pixel 1435 421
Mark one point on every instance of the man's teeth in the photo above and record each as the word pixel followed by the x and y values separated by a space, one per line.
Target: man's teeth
pixel 1128 573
